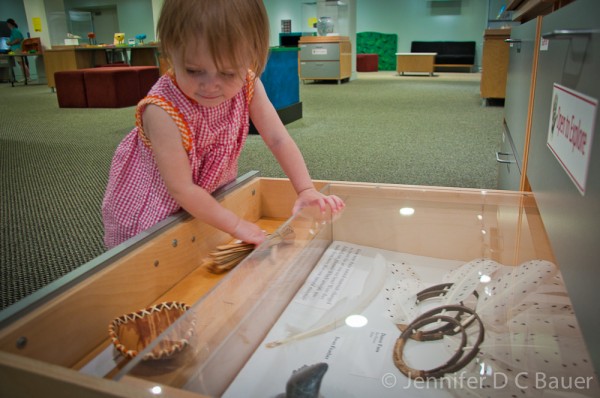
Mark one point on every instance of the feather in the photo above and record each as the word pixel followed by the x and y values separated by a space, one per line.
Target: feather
pixel 336 315
pixel 510 288
pixel 403 271
pixel 400 293
pixel 466 278
pixel 542 334
pixel 401 300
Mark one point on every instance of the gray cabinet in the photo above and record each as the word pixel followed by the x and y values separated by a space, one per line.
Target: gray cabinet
pixel 320 70
pixel 517 107
pixel 325 58
pixel 570 59
pixel 509 173
pixel 320 52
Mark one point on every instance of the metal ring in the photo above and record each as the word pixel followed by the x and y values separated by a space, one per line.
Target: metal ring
pixel 447 329
pixel 459 359
pixel 464 360
pixel 416 324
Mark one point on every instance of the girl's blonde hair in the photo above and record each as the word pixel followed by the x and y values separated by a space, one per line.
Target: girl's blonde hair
pixel 236 31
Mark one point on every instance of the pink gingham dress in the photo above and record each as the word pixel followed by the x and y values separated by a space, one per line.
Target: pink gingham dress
pixel 136 197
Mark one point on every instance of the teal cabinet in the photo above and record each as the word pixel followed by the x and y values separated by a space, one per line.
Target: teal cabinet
pixel 282 83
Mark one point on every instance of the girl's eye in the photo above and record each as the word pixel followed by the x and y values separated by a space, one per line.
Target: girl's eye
pixel 194 72
pixel 228 75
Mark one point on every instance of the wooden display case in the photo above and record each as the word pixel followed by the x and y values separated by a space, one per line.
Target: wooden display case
pixel 325 58
pixel 59 342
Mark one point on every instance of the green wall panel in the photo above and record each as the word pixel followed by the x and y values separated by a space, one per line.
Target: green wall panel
pixel 383 44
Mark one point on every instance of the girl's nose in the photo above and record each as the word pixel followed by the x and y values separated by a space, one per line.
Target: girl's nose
pixel 210 80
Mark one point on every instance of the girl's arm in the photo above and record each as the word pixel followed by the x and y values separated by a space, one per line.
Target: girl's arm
pixel 175 170
pixel 267 122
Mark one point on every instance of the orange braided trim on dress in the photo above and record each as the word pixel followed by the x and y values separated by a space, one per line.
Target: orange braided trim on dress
pixel 176 115
pixel 250 79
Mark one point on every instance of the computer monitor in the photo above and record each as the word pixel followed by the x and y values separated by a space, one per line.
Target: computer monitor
pixel 4 29
pixel 4 47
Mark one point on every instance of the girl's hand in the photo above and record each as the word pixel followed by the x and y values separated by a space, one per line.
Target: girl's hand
pixel 249 233
pixel 312 197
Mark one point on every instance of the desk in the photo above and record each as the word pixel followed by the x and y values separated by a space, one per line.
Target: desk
pixel 134 56
pixel 11 64
pixel 143 55
pixel 62 58
pixel 72 58
pixel 415 62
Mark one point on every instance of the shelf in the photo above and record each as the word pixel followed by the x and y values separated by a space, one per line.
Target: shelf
pixel 525 10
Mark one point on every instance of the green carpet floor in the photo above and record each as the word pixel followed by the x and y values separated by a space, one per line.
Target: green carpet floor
pixel 385 128
pixel 378 128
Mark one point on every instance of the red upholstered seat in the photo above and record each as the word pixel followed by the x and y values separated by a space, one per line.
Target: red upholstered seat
pixel 367 62
pixel 113 87
pixel 147 76
pixel 116 87
pixel 70 89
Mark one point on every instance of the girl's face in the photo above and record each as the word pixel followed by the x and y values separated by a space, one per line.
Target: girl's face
pixel 200 79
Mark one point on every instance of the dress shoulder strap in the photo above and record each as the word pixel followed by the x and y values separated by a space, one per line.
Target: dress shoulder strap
pixel 250 79
pixel 176 115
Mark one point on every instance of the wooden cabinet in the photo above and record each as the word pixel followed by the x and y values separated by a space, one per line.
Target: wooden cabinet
pixel 325 58
pixel 494 63
pixel 415 62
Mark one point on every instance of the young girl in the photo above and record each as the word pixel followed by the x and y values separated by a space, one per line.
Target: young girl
pixel 193 124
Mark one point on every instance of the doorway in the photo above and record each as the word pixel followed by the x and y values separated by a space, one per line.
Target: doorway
pixel 104 22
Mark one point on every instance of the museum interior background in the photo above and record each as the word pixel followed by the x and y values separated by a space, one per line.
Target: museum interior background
pixel 432 134
pixel 458 20
pixel 378 127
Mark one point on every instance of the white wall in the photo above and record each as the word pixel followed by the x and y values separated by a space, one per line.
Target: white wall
pixel 425 20
pixel 460 20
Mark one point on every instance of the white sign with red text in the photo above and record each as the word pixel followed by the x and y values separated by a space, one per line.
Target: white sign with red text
pixel 571 130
